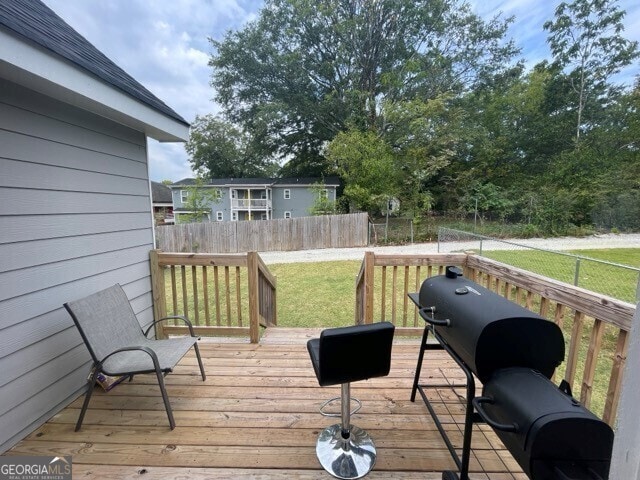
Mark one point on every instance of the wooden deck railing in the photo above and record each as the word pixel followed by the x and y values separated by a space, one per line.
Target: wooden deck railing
pixel 218 293
pixel 595 326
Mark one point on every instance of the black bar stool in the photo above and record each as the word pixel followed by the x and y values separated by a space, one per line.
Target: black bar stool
pixel 341 356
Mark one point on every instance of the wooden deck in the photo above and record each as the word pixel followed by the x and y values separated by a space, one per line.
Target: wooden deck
pixel 257 417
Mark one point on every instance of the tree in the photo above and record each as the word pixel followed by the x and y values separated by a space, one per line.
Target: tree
pixel 366 163
pixel 199 200
pixel 322 204
pixel 586 40
pixel 306 70
pixel 218 149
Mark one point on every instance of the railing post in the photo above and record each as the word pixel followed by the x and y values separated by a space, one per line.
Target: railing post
pixel 254 306
pixel 158 292
pixel 369 266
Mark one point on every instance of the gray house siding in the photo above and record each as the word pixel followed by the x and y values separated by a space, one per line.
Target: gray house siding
pixel 75 217
pixel 302 199
pixel 300 202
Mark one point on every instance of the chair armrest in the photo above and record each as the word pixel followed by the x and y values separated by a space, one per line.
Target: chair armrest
pixel 147 350
pixel 172 317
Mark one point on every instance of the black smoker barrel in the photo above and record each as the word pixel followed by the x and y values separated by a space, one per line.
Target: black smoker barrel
pixel 487 331
pixel 550 434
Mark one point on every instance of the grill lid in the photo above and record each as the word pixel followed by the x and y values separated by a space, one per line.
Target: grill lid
pixel 486 330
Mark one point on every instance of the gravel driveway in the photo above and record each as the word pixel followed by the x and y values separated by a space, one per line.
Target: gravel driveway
pixel 563 243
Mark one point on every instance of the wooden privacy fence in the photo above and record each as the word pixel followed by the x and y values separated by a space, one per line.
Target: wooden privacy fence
pixel 220 294
pixel 596 327
pixel 306 233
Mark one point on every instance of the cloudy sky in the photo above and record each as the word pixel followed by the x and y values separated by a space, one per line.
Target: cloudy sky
pixel 163 44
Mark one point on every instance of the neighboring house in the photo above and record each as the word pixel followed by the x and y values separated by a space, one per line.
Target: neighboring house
pixel 257 198
pixel 75 206
pixel 162 203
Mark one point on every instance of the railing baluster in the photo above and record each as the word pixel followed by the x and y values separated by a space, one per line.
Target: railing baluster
pixel 591 362
pixel 174 291
pixel 418 283
pixel 227 294
pixel 405 298
pixel 185 301
pixel 383 295
pixel 574 347
pixel 216 286
pixel 205 292
pixel 194 282
pixel 239 297
pixel 615 381
pixel 394 294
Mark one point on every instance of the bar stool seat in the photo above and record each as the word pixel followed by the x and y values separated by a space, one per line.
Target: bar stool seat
pixel 341 356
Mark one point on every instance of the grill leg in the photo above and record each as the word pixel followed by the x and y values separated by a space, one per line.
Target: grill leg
pixel 423 347
pixel 468 426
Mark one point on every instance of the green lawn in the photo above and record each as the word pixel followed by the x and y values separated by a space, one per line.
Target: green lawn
pixel 323 294
pixel 316 294
pixel 610 280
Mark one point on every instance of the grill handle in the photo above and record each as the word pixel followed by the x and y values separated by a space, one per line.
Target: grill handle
pixel 505 427
pixel 427 315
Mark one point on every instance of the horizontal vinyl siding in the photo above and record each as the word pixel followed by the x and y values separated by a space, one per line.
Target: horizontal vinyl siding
pixel 74 218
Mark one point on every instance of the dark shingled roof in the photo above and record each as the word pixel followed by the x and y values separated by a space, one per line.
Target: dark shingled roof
pixel 160 193
pixel 333 181
pixel 36 22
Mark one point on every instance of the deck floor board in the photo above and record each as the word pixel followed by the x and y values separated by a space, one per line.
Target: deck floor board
pixel 256 417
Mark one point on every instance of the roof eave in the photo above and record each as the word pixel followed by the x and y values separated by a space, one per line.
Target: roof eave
pixel 34 67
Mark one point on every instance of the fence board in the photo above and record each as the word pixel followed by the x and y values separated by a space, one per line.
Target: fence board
pixel 327 231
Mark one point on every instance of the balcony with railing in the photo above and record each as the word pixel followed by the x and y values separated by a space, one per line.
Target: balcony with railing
pixel 250 204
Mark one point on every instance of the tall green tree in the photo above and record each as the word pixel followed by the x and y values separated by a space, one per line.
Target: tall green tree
pixel 586 40
pixel 365 161
pixel 219 149
pixel 306 70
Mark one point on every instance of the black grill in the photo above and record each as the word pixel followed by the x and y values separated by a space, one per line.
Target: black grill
pixel 548 432
pixel 514 352
pixel 488 331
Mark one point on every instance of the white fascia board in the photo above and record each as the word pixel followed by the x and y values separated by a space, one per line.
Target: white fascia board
pixel 34 67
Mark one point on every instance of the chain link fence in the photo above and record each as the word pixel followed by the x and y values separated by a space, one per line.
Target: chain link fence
pixel 395 231
pixel 612 279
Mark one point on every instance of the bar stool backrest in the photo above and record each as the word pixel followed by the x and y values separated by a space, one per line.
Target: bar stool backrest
pixel 350 354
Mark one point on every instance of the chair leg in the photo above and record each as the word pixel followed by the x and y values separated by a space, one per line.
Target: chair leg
pixel 344 450
pixel 165 398
pixel 346 409
pixel 204 376
pixel 91 384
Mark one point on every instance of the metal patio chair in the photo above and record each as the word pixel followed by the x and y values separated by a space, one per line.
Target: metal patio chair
pixel 119 346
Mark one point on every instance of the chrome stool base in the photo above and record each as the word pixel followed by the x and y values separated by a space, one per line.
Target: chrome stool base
pixel 352 457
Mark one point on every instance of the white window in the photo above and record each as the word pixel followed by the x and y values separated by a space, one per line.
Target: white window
pixel 287 214
pixel 184 196
pixel 234 216
pixel 324 193
pixel 219 216
pixel 217 194
pixel 287 194
pixel 234 194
